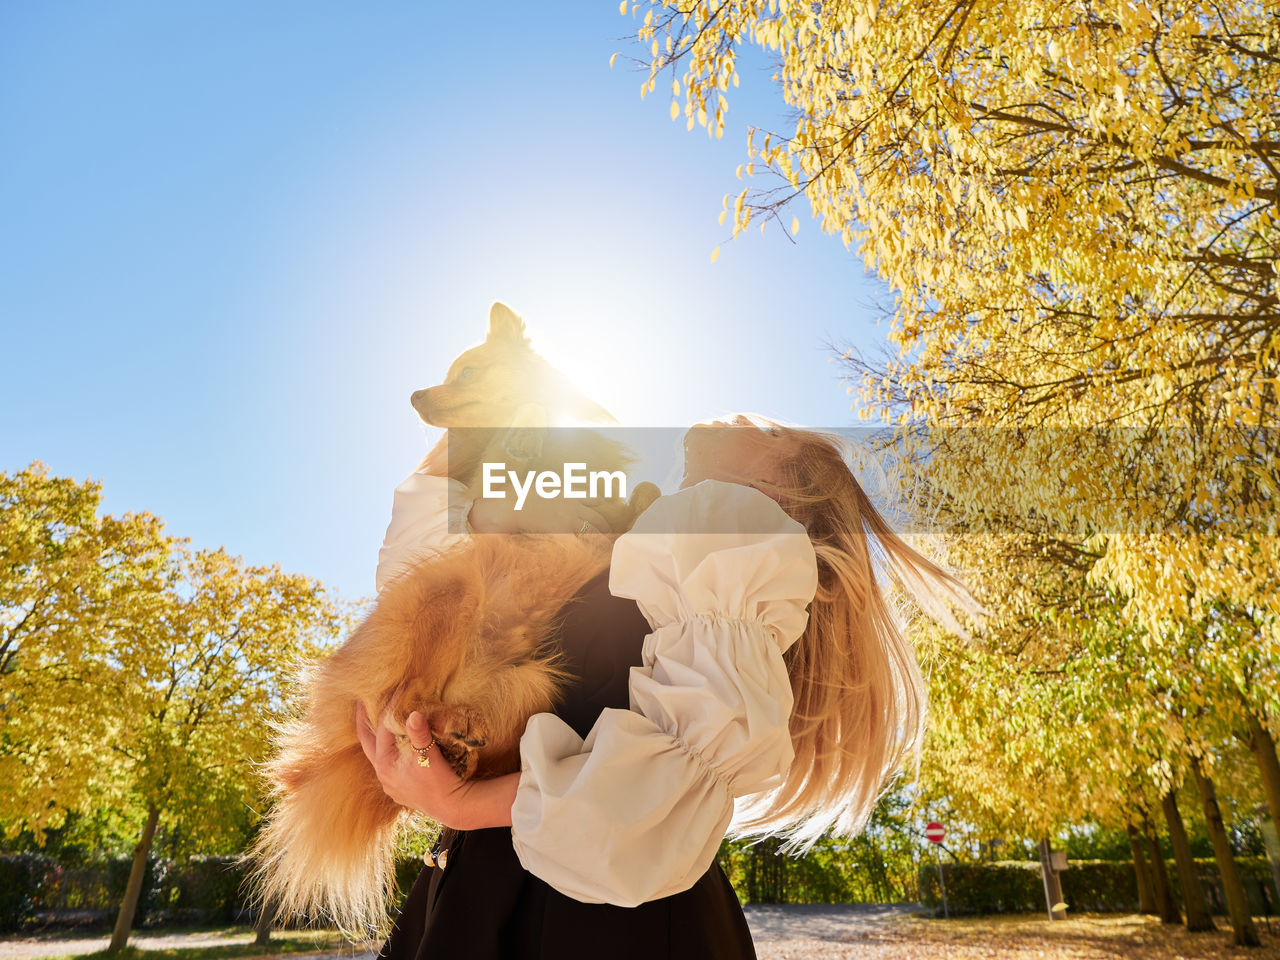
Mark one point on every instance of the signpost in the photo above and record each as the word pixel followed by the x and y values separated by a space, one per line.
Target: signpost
pixel 934 832
pixel 1052 863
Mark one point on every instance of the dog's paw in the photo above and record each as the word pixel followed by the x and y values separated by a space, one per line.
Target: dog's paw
pixel 459 733
pixel 523 444
pixel 523 440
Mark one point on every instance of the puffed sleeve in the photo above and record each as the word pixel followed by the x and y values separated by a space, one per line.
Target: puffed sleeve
pixel 637 810
pixel 428 514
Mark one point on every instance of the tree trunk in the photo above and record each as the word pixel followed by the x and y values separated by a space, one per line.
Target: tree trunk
pixel 1146 895
pixel 1168 906
pixel 1198 915
pixel 1264 749
pixel 124 921
pixel 262 928
pixel 1246 934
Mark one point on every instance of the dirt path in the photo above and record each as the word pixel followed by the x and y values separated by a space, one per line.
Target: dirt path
pixel 837 932
pixel 820 921
pixel 769 924
pixel 64 944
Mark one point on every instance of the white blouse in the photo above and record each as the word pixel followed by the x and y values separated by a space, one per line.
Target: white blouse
pixel 637 810
pixel 427 515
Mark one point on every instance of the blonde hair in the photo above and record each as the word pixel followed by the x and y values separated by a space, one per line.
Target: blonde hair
pixel 860 699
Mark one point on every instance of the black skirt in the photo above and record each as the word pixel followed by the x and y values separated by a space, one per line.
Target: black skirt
pixel 484 905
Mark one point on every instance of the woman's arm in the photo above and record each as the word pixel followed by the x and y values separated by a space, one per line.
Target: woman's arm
pixel 431 513
pixel 637 810
pixel 428 514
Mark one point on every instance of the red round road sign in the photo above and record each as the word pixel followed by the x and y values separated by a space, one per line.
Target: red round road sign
pixel 934 831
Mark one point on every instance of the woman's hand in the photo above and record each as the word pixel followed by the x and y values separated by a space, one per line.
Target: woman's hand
pixel 435 789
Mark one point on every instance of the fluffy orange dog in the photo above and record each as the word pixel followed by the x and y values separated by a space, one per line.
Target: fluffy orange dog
pixel 466 637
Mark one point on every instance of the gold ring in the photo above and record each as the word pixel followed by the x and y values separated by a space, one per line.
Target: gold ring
pixel 424 759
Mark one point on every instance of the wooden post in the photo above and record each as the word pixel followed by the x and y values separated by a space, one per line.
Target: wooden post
pixel 1052 883
pixel 942 881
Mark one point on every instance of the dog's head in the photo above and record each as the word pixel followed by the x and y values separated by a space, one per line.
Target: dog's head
pixel 487 384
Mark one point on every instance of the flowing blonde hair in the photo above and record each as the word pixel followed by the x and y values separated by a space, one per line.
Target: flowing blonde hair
pixel 860 699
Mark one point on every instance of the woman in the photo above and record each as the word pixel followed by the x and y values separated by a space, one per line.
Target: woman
pixel 706 693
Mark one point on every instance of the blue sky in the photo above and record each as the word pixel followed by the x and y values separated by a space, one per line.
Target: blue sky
pixel 234 237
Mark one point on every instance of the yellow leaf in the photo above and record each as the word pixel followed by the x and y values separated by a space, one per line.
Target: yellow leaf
pixel 795 225
pixel 622 8
pixel 675 109
pixel 611 59
pixel 715 253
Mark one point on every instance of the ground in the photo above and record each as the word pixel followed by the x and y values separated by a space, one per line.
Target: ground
pixel 817 932
pixel 826 936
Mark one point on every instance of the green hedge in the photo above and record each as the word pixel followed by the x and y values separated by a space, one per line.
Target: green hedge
pixel 199 890
pixel 22 875
pixel 203 890
pixel 832 871
pixel 1102 886
pixel 975 888
pixel 1255 874
pixel 212 890
pixel 97 886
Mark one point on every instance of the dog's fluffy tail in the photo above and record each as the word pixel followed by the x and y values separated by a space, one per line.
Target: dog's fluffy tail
pixel 326 848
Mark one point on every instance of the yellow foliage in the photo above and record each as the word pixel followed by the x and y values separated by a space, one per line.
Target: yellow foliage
pixel 134 671
pixel 1078 209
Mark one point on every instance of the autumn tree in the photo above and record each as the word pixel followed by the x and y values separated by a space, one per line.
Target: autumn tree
pixel 197 682
pixel 1101 178
pixel 70 579
pixel 1076 208
pixel 136 674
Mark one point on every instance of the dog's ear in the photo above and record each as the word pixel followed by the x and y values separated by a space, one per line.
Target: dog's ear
pixel 505 325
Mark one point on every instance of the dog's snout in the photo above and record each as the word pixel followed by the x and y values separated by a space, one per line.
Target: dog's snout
pixel 417 396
